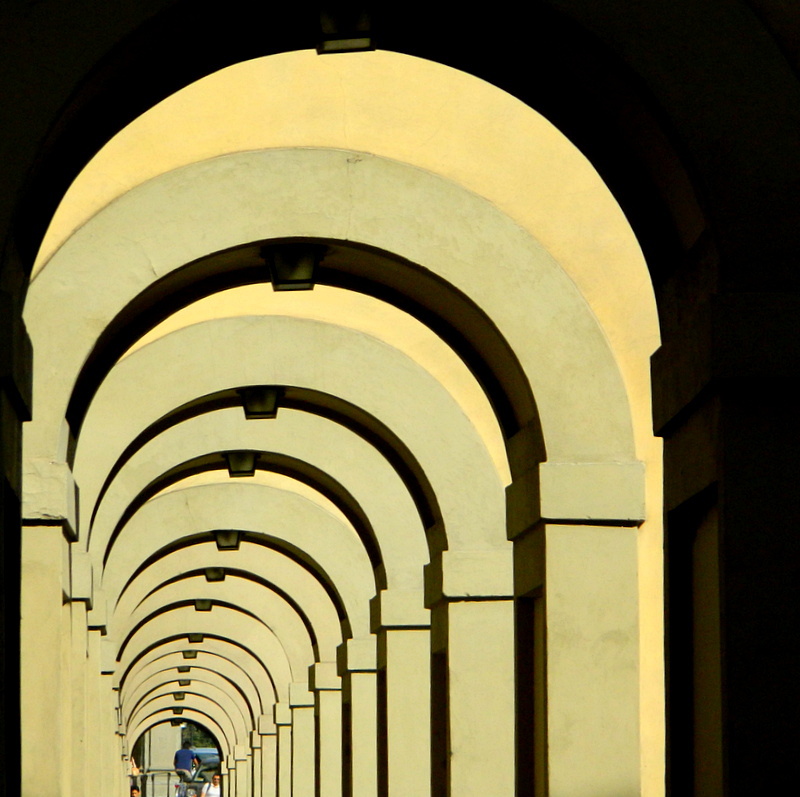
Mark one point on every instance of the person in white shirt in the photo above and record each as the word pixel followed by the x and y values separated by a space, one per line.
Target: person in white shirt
pixel 211 789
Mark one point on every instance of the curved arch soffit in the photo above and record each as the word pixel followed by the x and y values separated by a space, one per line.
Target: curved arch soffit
pixel 206 715
pixel 395 101
pixel 330 447
pixel 399 288
pixel 235 710
pixel 180 614
pixel 306 401
pixel 252 546
pixel 265 646
pixel 230 581
pixel 272 462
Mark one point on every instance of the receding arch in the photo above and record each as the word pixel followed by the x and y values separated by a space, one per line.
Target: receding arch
pixel 564 315
pixel 273 568
pixel 302 399
pixel 448 312
pixel 273 462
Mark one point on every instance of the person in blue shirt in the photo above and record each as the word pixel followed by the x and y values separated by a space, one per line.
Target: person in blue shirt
pixel 185 761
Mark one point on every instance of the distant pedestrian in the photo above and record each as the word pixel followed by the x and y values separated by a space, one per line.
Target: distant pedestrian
pixel 185 761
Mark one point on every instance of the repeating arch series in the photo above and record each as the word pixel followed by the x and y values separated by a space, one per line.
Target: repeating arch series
pixel 350 600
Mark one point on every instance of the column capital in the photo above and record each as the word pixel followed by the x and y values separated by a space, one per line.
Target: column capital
pixel 470 575
pixel 611 493
pixel 322 675
pixel 282 713
pixel 266 724
pixel 49 496
pixel 357 655
pixel 398 608
pixel 300 696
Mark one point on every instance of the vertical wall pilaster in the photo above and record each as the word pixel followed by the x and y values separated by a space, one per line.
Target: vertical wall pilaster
pixel 283 768
pixel 44 550
pixel 577 590
pixel 301 702
pixel 357 660
pixel 472 637
pixel 402 624
pixel 327 687
pixel 266 785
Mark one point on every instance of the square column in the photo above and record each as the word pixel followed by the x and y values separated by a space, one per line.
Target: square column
pixel 577 588
pixel 241 756
pixel 402 624
pixel 301 702
pixel 357 659
pixel 44 551
pixel 325 681
pixel 266 784
pixel 581 585
pixel 283 750
pixel 472 638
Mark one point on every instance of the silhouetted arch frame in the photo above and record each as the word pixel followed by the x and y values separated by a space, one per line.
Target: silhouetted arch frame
pixel 591 95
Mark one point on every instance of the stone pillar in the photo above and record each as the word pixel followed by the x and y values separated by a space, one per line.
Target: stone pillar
pixel 472 641
pixel 357 663
pixel 301 702
pixel 231 777
pixel 49 525
pixel 578 627
pixel 266 785
pixel 327 687
pixel 80 753
pixel 402 624
pixel 283 742
pixel 94 729
pixel 256 777
pixel 81 602
pixel 241 756
pixel 42 701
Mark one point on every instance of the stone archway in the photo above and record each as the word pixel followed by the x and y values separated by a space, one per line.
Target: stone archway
pixel 573 520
